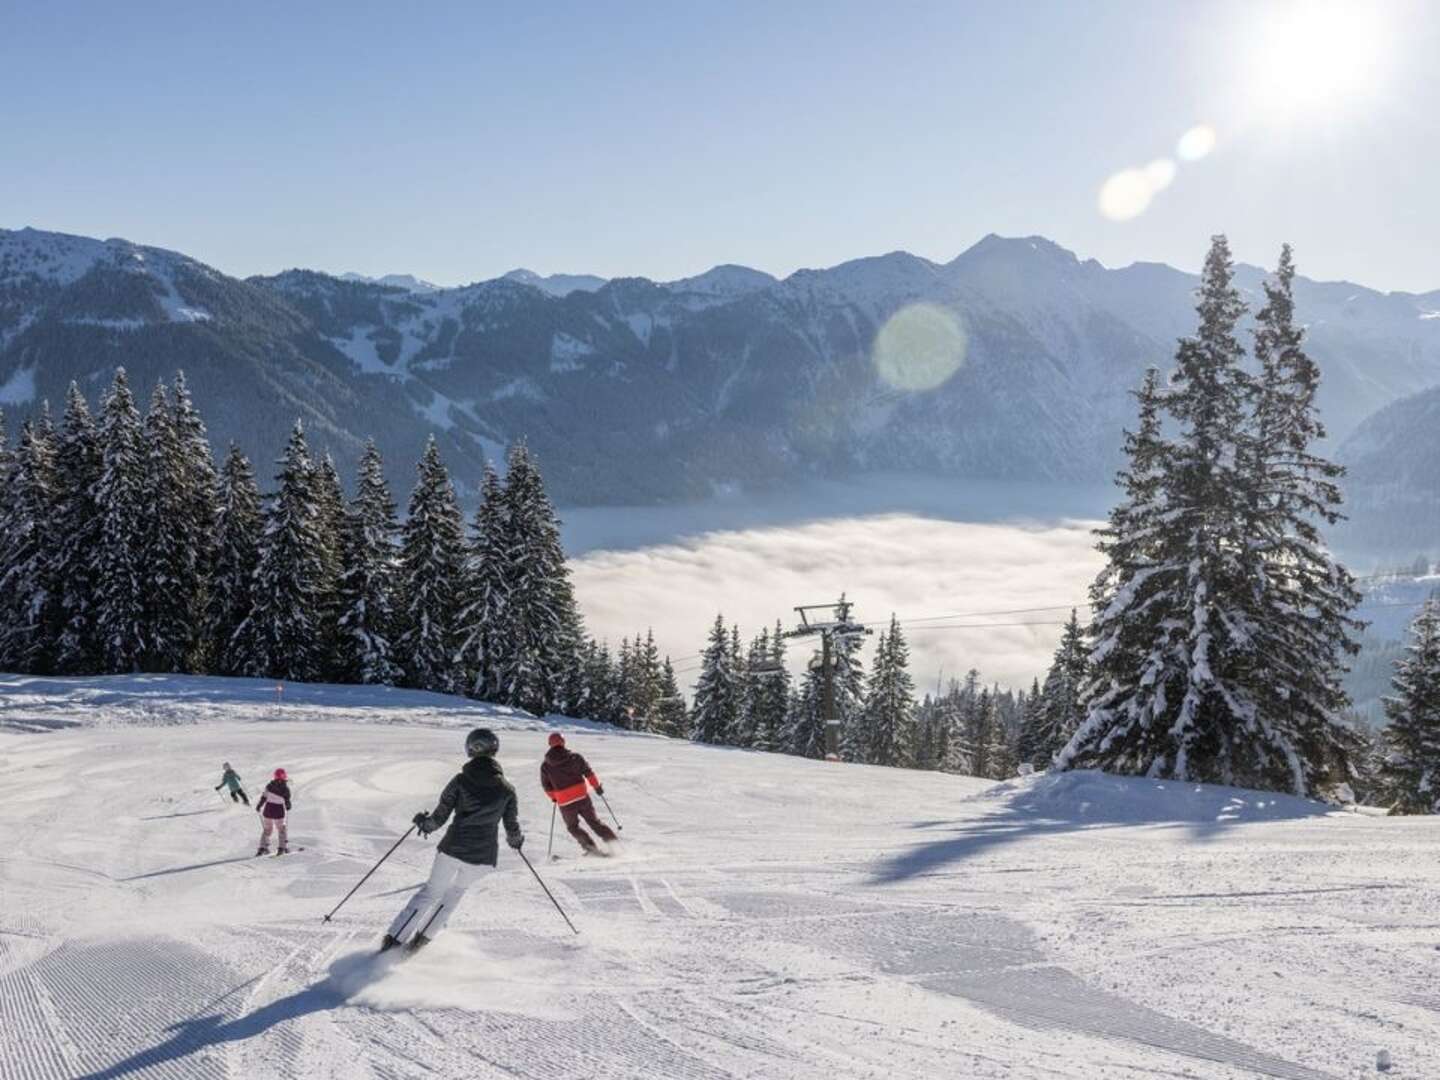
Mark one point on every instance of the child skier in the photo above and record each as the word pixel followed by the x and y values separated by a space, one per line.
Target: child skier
pixel 563 775
pixel 232 778
pixel 480 797
pixel 273 806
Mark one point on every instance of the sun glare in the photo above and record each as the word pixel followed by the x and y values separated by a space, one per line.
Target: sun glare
pixel 1319 56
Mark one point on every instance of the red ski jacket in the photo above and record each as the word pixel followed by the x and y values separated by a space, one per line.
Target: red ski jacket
pixel 564 774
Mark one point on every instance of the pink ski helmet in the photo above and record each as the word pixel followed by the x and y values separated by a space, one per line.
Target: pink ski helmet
pixel 556 739
pixel 280 774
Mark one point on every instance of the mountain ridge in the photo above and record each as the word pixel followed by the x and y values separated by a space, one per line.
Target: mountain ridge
pixel 643 391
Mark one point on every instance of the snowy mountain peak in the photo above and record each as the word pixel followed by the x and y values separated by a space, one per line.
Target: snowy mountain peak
pixel 727 279
pixel 555 284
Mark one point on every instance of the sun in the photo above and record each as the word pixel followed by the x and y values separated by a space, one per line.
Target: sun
pixel 1318 56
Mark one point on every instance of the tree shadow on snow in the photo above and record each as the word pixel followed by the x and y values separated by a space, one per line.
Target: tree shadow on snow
pixel 1086 800
pixel 347 977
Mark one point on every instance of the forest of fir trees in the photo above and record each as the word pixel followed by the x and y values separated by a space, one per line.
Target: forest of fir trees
pixel 123 549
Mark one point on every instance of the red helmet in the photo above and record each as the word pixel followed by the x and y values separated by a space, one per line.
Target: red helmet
pixel 556 739
pixel 280 774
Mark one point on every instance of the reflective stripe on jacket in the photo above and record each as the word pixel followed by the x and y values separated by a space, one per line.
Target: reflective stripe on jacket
pixel 564 775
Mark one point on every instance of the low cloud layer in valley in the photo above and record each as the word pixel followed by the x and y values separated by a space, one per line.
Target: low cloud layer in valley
pixel 918 567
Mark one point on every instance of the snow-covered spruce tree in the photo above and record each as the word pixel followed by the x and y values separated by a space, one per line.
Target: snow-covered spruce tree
pixel 964 752
pixel 742 662
pixel 330 517
pixel 671 717
pixel 167 559
pixel 889 714
pixel 849 683
pixel 29 591
pixel 200 498
pixel 542 631
pixel 804 731
pixel 1030 721
pixel 1059 713
pixel 771 697
pixel 645 696
pixel 78 535
pixel 1178 673
pixel 1305 596
pixel 757 656
pixel 238 529
pixel 279 639
pixel 1001 759
pixel 486 584
pixel 121 501
pixel 432 558
pixel 365 648
pixel 1410 767
pixel 717 691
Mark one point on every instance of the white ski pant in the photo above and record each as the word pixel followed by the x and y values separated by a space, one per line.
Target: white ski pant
pixel 434 902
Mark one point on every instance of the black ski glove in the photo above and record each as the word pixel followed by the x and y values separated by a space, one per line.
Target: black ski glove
pixel 420 819
pixel 599 789
pixel 516 840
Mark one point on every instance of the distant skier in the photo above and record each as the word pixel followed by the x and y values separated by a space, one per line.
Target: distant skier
pixel 273 806
pixel 563 775
pixel 480 798
pixel 232 778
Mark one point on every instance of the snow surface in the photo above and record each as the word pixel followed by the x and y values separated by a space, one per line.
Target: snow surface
pixel 769 916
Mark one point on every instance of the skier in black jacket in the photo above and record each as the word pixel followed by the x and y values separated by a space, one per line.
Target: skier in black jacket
pixel 480 798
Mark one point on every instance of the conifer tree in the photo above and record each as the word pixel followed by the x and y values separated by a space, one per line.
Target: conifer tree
pixel 487 581
pixel 804 732
pixel 120 501
pixel 77 474
pixel 200 499
pixel 717 692
pixel 366 622
pixel 757 658
pixel 672 719
pixel 542 629
pixel 238 529
pixel 645 696
pixel 431 561
pixel 742 660
pixel 279 638
pixel 1304 625
pixel 171 577
pixel 1059 712
pixel 29 595
pixel 330 518
pixel 1027 747
pixel 1001 759
pixel 771 697
pixel 889 715
pixel 1410 767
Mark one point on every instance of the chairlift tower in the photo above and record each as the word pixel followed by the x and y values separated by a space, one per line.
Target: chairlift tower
pixel 832 629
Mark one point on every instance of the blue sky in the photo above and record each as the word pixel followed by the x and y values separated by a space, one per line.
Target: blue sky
pixel 458 140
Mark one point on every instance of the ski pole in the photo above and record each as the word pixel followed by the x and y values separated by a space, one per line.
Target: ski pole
pixel 550 848
pixel 547 890
pixel 372 870
pixel 612 812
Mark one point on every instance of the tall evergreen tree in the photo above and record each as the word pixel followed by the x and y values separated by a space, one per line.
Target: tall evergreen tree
pixel 672 720
pixel 757 659
pixel 231 594
pixel 200 500
pixel 77 474
pixel 645 697
pixel 1304 596
pixel 487 582
pixel 279 637
pixel 542 630
pixel 889 715
pixel 1410 767
pixel 330 518
pixel 29 591
pixel 717 692
pixel 771 697
pixel 121 500
pixel 1059 712
pixel 366 591
pixel 431 562
pixel 169 560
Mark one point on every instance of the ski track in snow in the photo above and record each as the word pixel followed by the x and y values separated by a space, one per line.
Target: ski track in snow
pixel 767 917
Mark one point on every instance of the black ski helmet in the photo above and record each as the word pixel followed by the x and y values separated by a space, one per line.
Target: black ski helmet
pixel 481 742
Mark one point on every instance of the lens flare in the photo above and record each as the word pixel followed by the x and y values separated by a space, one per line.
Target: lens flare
pixel 1126 195
pixel 1160 173
pixel 1196 143
pixel 920 347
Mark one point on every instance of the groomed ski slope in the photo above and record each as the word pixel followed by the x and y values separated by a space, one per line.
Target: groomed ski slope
pixel 770 917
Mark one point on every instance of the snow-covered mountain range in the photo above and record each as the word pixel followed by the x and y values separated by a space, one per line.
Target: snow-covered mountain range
pixel 636 391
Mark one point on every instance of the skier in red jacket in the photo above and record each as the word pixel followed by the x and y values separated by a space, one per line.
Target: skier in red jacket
pixel 564 775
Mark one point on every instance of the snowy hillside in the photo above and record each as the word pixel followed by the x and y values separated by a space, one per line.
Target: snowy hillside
pixel 769 917
pixel 635 392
